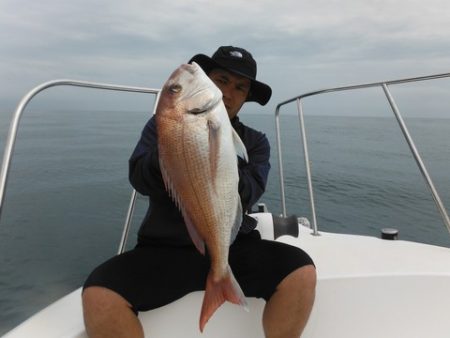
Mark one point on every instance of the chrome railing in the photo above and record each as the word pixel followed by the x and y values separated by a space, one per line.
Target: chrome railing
pixel 384 85
pixel 12 134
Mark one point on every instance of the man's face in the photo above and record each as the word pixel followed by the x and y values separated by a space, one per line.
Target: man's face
pixel 235 89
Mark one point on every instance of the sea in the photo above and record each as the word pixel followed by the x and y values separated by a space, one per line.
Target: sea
pixel 68 191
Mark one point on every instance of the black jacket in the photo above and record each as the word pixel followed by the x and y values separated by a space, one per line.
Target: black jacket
pixel 163 222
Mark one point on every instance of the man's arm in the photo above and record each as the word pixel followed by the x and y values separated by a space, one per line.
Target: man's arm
pixel 144 172
pixel 253 175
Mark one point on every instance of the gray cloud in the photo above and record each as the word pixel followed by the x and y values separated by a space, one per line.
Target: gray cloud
pixel 300 45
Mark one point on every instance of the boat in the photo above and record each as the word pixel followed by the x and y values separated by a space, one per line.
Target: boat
pixel 367 286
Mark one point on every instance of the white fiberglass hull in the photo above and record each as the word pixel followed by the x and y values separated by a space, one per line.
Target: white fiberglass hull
pixel 367 287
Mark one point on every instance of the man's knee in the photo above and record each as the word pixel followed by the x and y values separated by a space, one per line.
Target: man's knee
pixel 308 273
pixel 107 314
pixel 304 278
pixel 96 298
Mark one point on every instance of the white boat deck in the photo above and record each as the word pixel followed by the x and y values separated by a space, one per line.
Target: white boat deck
pixel 367 287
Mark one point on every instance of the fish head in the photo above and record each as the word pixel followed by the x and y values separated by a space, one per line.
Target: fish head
pixel 188 92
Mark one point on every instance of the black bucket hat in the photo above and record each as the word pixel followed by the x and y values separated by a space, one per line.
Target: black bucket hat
pixel 239 61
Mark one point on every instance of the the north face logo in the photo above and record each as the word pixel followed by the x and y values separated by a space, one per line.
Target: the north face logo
pixel 236 54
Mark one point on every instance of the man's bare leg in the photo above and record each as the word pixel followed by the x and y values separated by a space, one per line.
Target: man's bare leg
pixel 287 311
pixel 107 314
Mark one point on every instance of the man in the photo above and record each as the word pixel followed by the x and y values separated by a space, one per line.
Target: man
pixel 165 265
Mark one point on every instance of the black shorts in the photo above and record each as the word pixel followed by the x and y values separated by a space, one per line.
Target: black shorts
pixel 150 276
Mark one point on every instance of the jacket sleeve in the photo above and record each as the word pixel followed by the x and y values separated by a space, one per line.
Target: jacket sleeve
pixel 144 172
pixel 145 175
pixel 253 175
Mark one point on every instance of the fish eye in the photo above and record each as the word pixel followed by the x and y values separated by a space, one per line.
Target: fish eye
pixel 198 111
pixel 175 88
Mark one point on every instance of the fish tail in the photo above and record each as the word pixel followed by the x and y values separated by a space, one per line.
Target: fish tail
pixel 217 292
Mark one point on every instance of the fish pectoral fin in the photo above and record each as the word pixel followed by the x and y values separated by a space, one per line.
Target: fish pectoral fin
pixel 214 146
pixel 217 292
pixel 239 146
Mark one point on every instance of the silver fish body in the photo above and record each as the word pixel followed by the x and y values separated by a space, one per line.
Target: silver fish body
pixel 198 151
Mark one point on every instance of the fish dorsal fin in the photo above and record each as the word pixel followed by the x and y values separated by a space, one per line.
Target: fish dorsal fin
pixel 195 237
pixel 239 146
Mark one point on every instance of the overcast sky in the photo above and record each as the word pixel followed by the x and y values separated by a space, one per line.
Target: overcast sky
pixel 300 45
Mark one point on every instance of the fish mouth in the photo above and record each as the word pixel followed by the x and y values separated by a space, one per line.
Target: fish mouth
pixel 207 106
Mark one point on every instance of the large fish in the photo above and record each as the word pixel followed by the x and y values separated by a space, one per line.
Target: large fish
pixel 197 154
